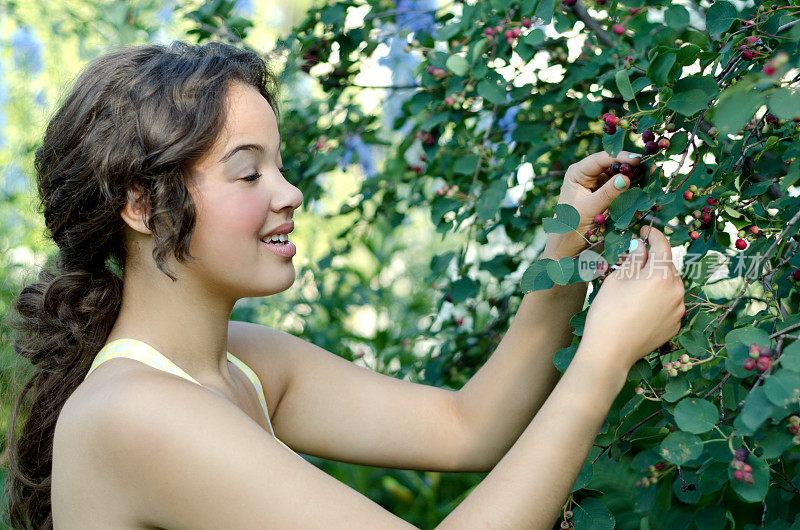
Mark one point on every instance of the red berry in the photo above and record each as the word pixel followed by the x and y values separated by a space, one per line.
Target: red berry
pixel 741 244
pixel 517 32
pixel 663 143
pixel 762 363
pixel 633 10
pixel 771 119
pixel 526 22
pixel 610 119
pixel 751 40
pixel 747 55
pixel 609 129
pixel 749 363
pixel 688 195
pixel 600 219
pixel 748 478
pixel 738 474
pixel 694 234
pixel 508 33
pixel 650 148
pixel 648 136
pixel 705 209
pixel 769 69
pixel 498 29
pixel 753 229
pixel 746 468
pixel 705 218
pixel 711 201
pixel 618 29
pixel 459 321
pixel 488 32
pixel 794 429
pixel 626 169
pixel 448 100
pixel 796 274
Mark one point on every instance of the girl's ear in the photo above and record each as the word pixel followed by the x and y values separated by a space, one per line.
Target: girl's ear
pixel 134 212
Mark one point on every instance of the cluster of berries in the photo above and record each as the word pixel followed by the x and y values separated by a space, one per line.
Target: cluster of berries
pixel 703 218
pixel 651 146
pixel 743 471
pixel 684 364
pixel 599 227
pixel 438 73
pixel 749 43
pixel 746 235
pixel 760 358
pixel 566 523
pixel 447 191
pixel 611 123
pixel 510 34
pixel 655 472
pixel 794 428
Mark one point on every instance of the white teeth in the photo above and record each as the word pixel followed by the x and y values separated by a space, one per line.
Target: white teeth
pixel 280 238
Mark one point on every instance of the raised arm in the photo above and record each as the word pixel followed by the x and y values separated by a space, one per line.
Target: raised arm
pixel 520 374
pixel 638 308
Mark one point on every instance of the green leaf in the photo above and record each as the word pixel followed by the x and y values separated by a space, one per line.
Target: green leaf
pixel 458 65
pixel 491 92
pixel 535 277
pixel 675 389
pixel 624 206
pixel 561 271
pixel 757 408
pixel 736 106
pixel 696 343
pixel 567 219
pixel 592 513
pixel 688 54
pixel 624 85
pixel 783 387
pixel 463 289
pixel 696 415
pixel 534 38
pixel 784 103
pixel 659 68
pixel 466 164
pixel 720 16
pixel 790 359
pixel 612 143
pixel 489 202
pixel 676 17
pixel 680 447
pixel 688 103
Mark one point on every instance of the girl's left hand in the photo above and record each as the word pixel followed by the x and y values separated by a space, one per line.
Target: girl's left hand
pixel 589 188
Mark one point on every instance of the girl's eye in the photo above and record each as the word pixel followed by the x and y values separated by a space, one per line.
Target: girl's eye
pixel 252 177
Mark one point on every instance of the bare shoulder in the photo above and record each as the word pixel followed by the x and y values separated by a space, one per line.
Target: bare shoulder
pixel 184 457
pixel 268 352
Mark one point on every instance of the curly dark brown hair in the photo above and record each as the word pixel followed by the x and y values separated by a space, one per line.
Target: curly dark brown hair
pixel 137 118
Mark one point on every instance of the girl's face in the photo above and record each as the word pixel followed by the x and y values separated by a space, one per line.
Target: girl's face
pixel 236 207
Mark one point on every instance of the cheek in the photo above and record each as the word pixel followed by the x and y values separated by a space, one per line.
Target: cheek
pixel 232 219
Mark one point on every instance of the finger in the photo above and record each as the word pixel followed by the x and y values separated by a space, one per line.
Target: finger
pixel 633 259
pixel 600 199
pixel 660 249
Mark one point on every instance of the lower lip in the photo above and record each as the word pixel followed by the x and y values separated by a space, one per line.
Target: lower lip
pixel 287 250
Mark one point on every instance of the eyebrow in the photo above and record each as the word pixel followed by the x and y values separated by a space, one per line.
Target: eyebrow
pixel 246 147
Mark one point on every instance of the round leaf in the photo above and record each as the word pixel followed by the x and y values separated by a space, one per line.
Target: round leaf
pixel 680 447
pixel 696 415
pixel 720 17
pixel 592 513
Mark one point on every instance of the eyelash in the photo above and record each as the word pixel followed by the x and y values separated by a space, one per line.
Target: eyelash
pixel 254 176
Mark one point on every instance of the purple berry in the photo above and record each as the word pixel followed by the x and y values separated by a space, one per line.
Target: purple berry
pixel 648 136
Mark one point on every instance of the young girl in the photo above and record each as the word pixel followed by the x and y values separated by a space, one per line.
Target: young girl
pixel 160 179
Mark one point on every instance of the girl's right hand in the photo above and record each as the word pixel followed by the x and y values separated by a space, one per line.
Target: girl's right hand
pixel 640 304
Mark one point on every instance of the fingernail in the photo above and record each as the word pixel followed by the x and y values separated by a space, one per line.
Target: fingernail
pixel 633 245
pixel 634 155
pixel 619 182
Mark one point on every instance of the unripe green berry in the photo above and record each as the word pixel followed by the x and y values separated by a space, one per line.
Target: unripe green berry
pixel 693 188
pixel 686 367
pixel 685 358
pixel 673 372
pixel 623 123
pixel 741 234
